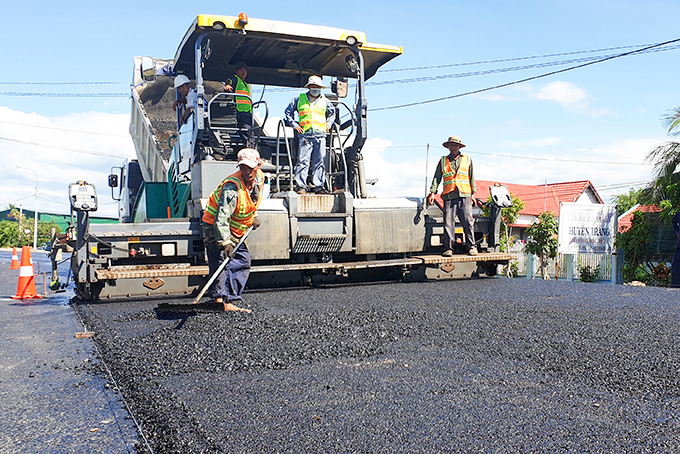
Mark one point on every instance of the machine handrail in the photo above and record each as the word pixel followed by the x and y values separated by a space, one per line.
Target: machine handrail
pixel 290 159
pixel 335 130
pixel 260 129
pixel 353 122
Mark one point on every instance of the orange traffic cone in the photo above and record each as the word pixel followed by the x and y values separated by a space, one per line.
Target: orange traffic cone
pixel 26 285
pixel 15 260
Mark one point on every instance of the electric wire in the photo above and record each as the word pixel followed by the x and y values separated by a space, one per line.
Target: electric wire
pixel 74 150
pixel 527 79
pixel 63 129
pixel 503 70
pixel 561 54
pixel 534 158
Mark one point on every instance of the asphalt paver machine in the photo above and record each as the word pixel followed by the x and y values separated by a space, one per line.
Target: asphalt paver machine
pixel 345 234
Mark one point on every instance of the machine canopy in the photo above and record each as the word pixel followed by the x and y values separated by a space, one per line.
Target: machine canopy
pixel 276 53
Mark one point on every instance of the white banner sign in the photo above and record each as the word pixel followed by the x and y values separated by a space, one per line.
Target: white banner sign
pixel 585 228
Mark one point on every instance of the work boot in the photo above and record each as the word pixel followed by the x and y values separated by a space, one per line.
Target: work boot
pixel 448 253
pixel 473 251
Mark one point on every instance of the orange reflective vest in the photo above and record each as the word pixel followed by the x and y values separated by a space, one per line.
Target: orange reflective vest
pixel 244 213
pixel 311 117
pixel 243 104
pixel 459 179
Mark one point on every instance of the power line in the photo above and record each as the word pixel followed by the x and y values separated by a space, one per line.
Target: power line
pixel 63 83
pixel 63 129
pixel 74 150
pixel 66 95
pixel 504 70
pixel 507 84
pixel 535 158
pixel 514 59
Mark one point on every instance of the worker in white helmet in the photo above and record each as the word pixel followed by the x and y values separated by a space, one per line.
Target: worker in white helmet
pixel 315 118
pixel 186 96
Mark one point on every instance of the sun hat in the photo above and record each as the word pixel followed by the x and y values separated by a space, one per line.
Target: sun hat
pixel 454 139
pixel 249 157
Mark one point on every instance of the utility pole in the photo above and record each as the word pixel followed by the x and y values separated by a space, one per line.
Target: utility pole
pixel 35 214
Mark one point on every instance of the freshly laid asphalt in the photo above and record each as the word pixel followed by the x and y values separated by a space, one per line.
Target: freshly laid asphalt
pixel 490 365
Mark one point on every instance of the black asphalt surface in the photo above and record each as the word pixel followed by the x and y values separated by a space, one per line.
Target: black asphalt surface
pixel 54 396
pixel 491 365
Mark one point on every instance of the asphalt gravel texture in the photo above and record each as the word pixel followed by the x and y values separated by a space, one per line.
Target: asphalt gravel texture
pixel 489 365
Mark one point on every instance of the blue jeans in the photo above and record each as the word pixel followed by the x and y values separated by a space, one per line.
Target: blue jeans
pixel 232 280
pixel 314 149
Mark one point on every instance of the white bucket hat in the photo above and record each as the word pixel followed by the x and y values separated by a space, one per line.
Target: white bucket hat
pixel 315 80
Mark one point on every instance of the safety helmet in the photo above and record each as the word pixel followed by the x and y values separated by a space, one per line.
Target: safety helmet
pixel 181 80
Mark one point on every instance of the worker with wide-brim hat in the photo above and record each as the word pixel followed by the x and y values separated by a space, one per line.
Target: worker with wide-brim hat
pixel 455 171
pixel 315 118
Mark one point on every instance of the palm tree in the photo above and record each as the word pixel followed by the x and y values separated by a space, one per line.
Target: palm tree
pixel 666 185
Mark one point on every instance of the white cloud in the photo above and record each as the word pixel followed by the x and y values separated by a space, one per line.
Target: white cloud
pixel 530 144
pixel 564 93
pixel 61 150
pixel 395 179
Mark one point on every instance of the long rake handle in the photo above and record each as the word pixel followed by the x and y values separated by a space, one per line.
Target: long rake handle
pixel 221 267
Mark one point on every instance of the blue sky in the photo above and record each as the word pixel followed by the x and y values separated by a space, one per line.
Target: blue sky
pixel 596 123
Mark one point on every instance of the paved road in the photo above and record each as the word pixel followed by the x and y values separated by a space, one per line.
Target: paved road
pixel 491 365
pixel 54 397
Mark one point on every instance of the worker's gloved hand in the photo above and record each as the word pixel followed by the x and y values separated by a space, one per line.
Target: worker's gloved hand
pixel 256 223
pixel 226 248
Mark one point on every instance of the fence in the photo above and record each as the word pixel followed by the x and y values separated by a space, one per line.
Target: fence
pixel 557 268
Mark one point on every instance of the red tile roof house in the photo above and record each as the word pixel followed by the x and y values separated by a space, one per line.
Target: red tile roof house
pixel 626 218
pixel 662 244
pixel 540 198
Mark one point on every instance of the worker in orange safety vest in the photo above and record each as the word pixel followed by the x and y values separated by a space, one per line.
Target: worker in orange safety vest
pixel 456 174
pixel 229 214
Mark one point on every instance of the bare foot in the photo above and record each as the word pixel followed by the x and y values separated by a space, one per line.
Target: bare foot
pixel 232 307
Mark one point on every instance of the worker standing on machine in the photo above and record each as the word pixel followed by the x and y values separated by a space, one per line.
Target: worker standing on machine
pixel 315 118
pixel 244 104
pixel 459 189
pixel 187 97
pixel 229 214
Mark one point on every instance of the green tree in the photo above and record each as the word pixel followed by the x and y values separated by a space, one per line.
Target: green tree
pixel 633 242
pixel 19 231
pixel 625 202
pixel 665 188
pixel 542 240
pixel 9 234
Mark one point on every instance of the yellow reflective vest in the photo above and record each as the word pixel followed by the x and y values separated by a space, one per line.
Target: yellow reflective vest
pixel 311 117
pixel 243 104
